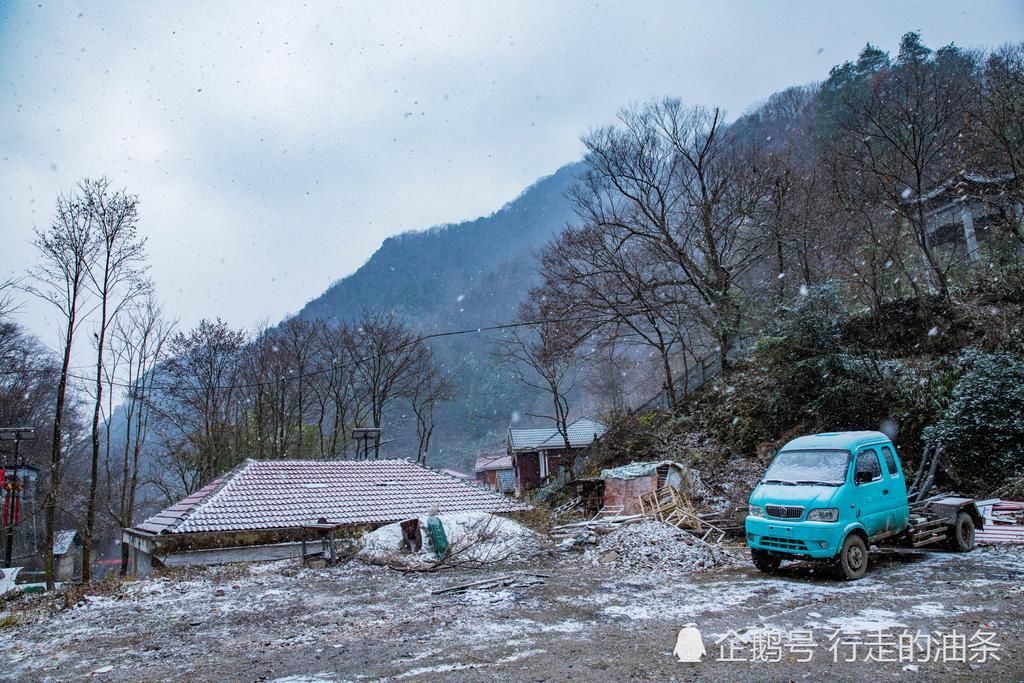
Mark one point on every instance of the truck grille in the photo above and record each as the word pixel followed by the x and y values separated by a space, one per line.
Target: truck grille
pixel 784 511
pixel 783 543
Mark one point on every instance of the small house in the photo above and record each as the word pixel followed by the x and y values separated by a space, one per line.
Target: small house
pixel 67 554
pixel 537 454
pixel 494 470
pixel 262 509
pixel 624 485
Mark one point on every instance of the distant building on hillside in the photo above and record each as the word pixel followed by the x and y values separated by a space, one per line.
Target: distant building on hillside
pixel 962 210
pixel 536 454
pixel 494 470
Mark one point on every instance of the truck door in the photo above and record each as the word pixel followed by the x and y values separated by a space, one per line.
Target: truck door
pixel 898 515
pixel 872 494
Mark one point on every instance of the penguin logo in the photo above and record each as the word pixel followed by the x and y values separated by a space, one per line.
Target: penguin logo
pixel 689 644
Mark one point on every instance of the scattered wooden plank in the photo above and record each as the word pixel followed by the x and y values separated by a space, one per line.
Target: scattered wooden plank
pixel 474 584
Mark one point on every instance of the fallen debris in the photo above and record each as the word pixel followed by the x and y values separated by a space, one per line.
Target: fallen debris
pixel 475 539
pixel 487 583
pixel 670 506
pixel 651 546
pixel 1004 522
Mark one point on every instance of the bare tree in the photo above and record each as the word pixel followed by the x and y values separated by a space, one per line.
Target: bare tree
pixel 197 402
pixel 68 250
pixel 673 179
pixel 544 353
pixel 139 341
pixel 595 272
pixel 905 128
pixel 387 355
pixel 118 277
pixel 339 398
pixel 428 386
pixel 996 142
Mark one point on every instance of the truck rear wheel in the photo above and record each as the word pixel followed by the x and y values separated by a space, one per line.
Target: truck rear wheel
pixel 961 534
pixel 852 562
pixel 765 560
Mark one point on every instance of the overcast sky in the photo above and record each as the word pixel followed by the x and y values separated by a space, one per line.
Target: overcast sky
pixel 274 146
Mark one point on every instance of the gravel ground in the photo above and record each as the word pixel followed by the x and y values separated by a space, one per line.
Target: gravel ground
pixel 585 622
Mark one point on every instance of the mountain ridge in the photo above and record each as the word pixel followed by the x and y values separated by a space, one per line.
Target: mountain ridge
pixel 454 276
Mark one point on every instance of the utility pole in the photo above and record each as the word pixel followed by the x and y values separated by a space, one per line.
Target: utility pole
pixel 12 485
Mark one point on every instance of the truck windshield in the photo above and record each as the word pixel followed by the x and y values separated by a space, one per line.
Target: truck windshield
pixel 826 468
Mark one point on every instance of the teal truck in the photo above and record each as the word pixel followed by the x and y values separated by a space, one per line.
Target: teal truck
pixel 831 496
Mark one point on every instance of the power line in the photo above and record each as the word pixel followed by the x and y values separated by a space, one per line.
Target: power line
pixel 764 286
pixel 336 366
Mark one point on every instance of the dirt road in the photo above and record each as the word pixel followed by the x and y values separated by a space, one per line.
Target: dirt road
pixel 585 622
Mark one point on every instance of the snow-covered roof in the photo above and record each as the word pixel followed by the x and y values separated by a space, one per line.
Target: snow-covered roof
pixel 493 461
pixel 62 541
pixel 951 183
pixel 581 433
pixel 281 494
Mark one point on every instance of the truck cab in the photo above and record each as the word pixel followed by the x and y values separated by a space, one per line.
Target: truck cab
pixel 828 497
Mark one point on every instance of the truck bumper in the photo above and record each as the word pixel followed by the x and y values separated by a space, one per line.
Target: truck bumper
pixel 820 540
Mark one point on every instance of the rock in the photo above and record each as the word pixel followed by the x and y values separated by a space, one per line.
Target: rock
pixel 220 592
pixel 608 557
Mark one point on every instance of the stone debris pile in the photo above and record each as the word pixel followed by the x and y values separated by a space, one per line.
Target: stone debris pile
pixel 652 546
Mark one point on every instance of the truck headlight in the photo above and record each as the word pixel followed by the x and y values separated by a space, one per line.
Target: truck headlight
pixel 823 515
pixel 754 511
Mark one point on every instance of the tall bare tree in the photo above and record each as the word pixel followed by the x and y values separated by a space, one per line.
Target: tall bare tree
pixel 673 179
pixel 996 142
pixel 68 250
pixel 117 278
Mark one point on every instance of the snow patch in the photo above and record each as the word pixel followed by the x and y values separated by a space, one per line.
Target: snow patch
pixel 477 537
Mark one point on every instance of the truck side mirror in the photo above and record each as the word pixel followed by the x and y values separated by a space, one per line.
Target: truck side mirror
pixel 861 478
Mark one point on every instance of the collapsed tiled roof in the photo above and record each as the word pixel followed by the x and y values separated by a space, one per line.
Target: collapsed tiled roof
pixel 279 494
pixel 582 433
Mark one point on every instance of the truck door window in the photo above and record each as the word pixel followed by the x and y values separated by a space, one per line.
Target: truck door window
pixel 867 462
pixel 890 461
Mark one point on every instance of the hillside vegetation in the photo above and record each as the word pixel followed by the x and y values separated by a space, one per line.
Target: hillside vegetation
pixel 946 372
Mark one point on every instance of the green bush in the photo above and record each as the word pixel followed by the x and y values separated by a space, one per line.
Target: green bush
pixel 982 428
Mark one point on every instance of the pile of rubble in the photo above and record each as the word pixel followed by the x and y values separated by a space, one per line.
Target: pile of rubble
pixel 651 546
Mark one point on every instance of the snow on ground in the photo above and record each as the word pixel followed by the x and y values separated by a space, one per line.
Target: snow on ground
pixel 360 622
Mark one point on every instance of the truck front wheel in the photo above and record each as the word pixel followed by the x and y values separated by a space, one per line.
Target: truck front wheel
pixel 765 560
pixel 852 562
pixel 961 534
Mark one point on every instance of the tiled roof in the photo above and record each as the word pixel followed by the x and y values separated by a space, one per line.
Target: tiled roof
pixel 278 494
pixel 493 461
pixel 582 433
